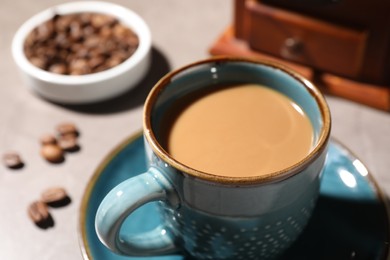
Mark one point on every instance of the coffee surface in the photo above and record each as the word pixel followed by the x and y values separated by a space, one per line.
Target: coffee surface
pixel 237 131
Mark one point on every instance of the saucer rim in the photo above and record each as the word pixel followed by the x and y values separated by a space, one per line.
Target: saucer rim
pixel 82 233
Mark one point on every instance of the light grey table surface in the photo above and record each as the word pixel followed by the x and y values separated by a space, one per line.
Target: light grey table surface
pixel 182 32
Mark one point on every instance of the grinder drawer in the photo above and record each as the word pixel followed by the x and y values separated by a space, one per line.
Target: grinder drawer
pixel 306 40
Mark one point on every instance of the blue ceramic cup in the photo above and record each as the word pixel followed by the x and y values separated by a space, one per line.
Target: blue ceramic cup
pixel 208 216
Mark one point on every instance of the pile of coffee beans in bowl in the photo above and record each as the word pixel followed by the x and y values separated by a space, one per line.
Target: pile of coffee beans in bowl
pixel 80 43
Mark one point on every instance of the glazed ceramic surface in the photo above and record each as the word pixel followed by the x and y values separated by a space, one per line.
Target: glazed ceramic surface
pixel 350 220
pixel 210 216
pixel 91 87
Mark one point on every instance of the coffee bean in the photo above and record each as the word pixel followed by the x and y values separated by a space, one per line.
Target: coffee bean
pixel 54 195
pixel 67 128
pixel 38 212
pixel 76 32
pixel 80 44
pixel 81 52
pixel 12 160
pixel 58 68
pixel 79 67
pixel 88 31
pixel 39 62
pixel 100 20
pixel 105 32
pixel 62 22
pixel 62 42
pixel 68 142
pixel 45 31
pixel 92 42
pixel 48 139
pixel 52 153
pixel 85 18
pixel 113 61
pixel 96 62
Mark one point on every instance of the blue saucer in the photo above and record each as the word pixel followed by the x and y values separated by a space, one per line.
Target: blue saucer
pixel 350 221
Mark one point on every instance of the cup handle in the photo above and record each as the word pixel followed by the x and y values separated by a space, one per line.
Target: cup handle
pixel 125 198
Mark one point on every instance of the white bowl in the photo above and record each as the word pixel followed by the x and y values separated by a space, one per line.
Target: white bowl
pixel 70 89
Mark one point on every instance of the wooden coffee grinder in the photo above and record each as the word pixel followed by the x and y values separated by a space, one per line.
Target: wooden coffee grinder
pixel 341 45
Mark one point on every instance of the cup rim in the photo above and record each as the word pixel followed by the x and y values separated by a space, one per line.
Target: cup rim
pixel 285 173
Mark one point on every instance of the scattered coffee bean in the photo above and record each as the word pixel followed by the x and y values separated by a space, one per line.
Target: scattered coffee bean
pixel 54 195
pixel 79 44
pixel 52 153
pixel 38 212
pixel 12 160
pixel 48 139
pixel 68 142
pixel 67 129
